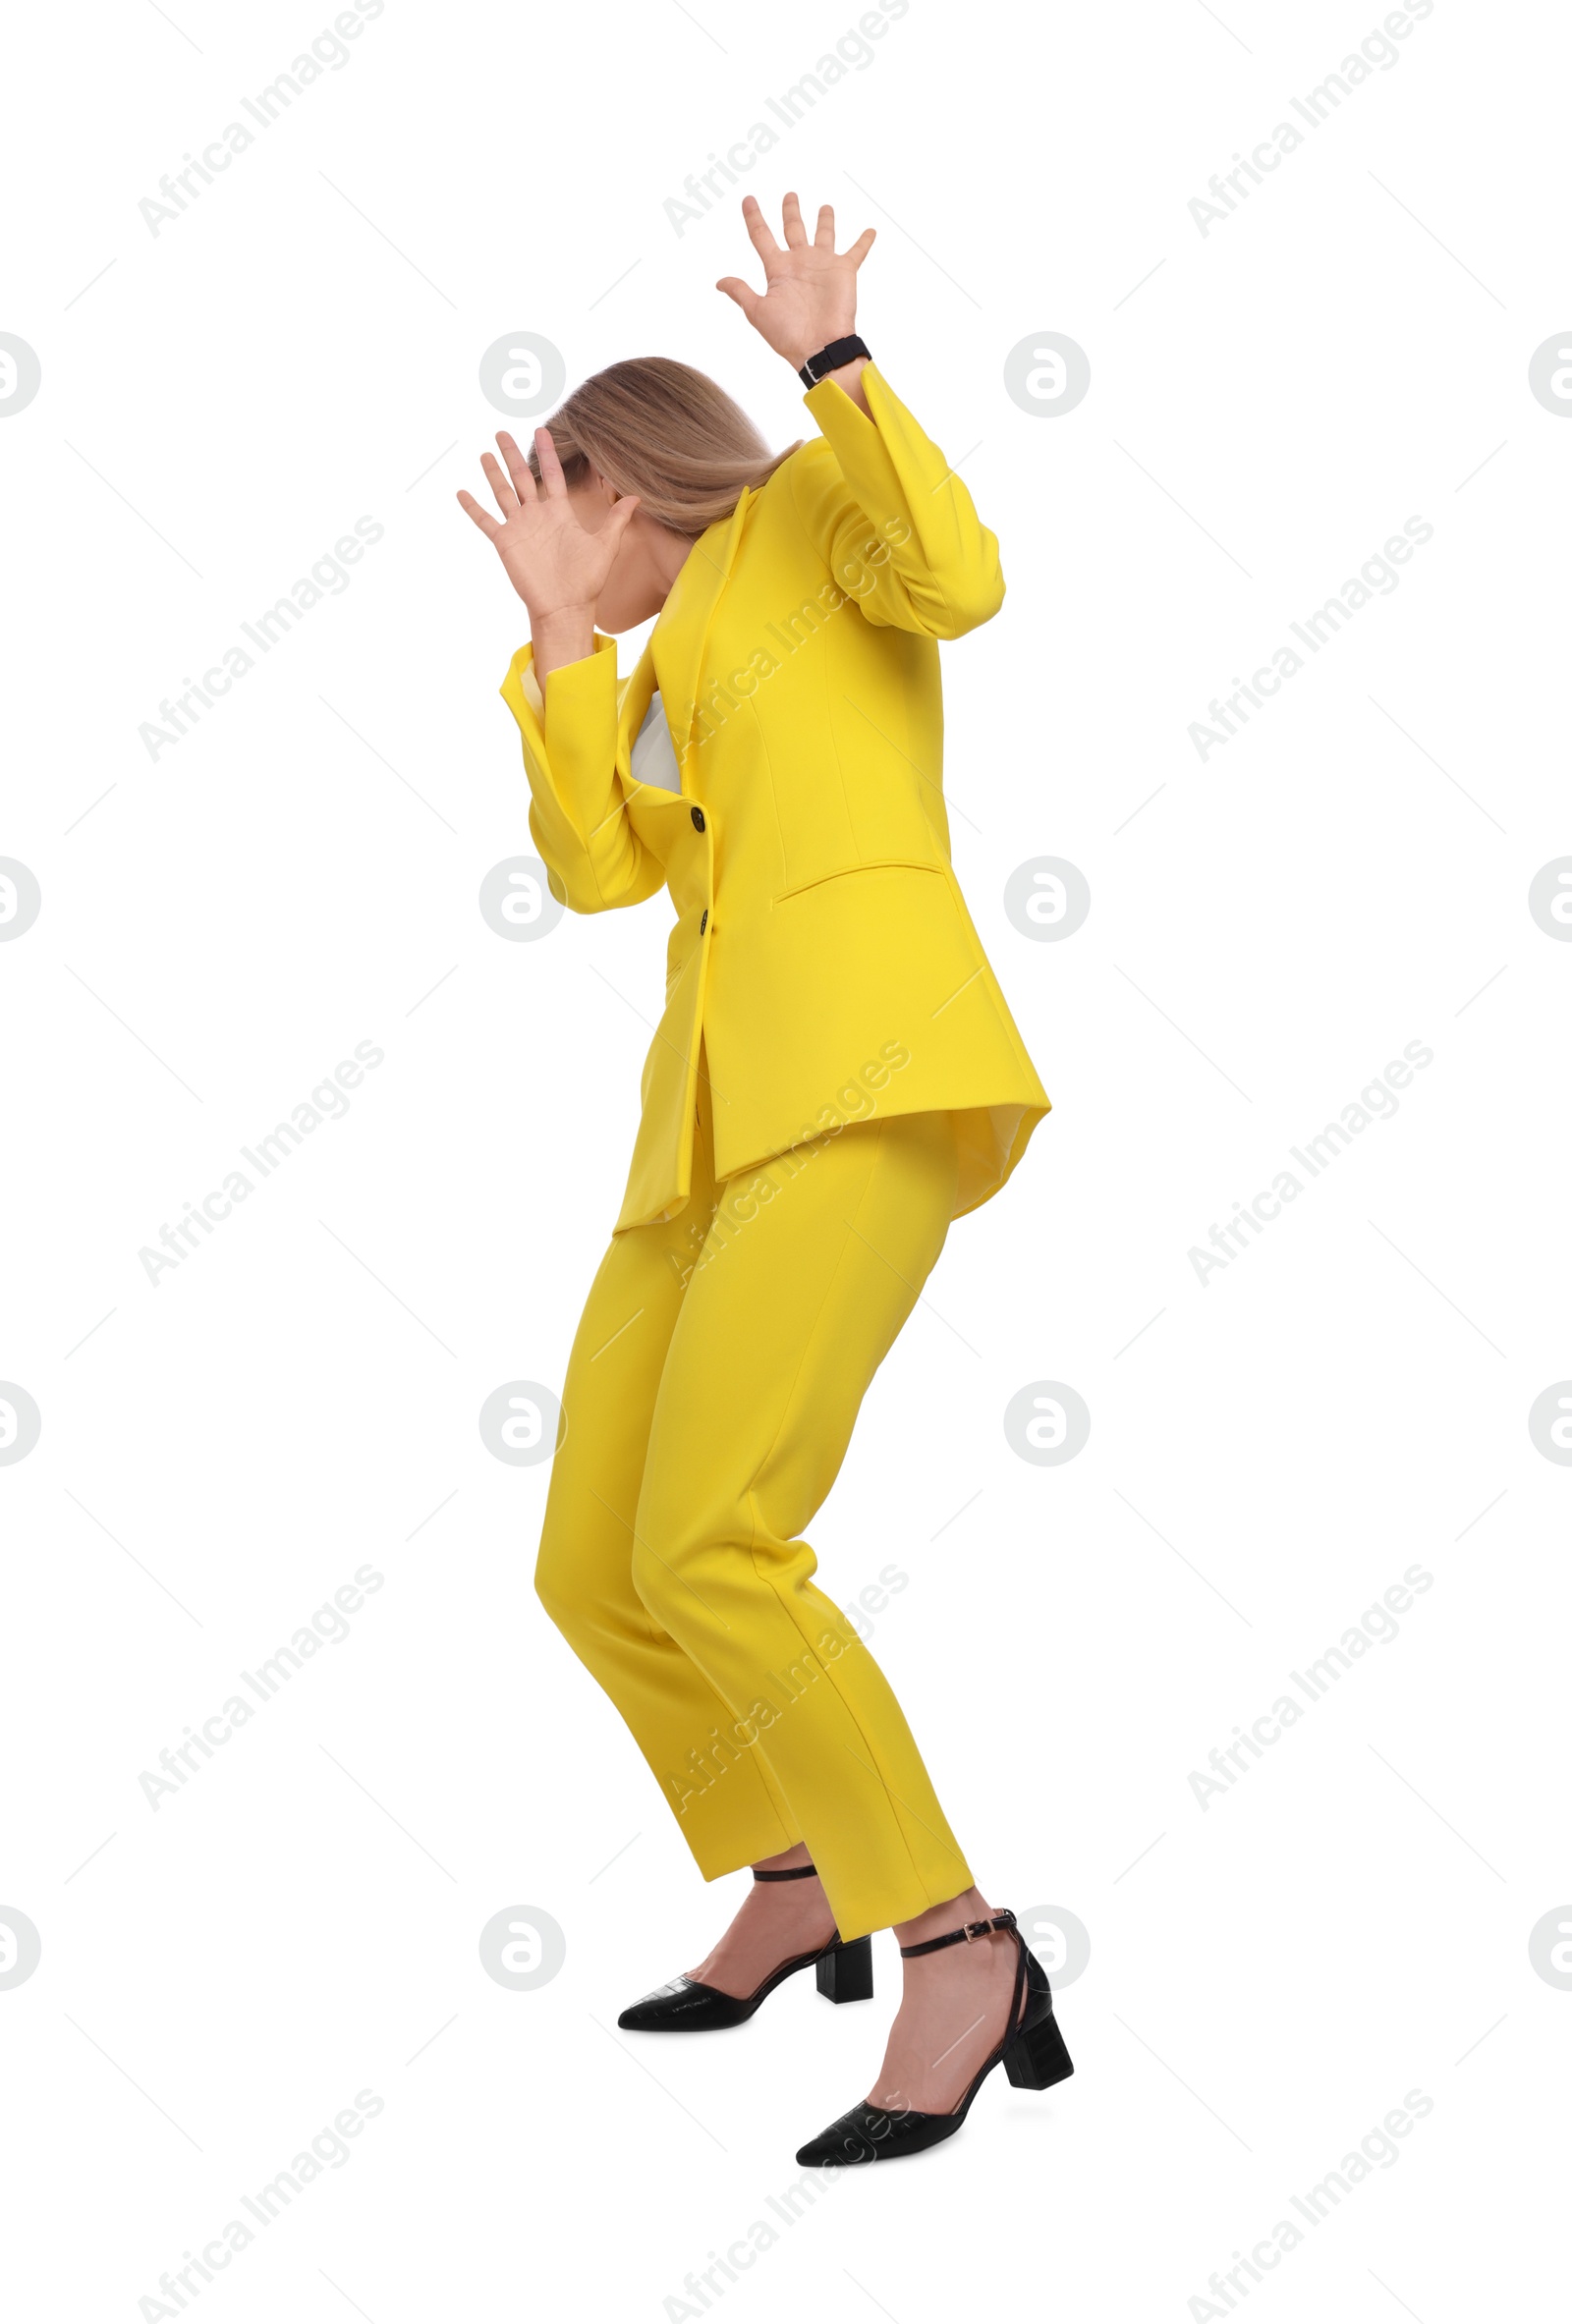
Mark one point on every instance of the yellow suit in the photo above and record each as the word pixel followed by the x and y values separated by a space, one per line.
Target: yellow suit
pixel 808 856
pixel 835 1078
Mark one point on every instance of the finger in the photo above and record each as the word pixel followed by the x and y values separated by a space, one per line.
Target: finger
pixel 518 466
pixel 501 490
pixel 759 233
pixel 477 516
pixel 862 246
pixel 744 294
pixel 791 218
pixel 552 483
pixel 622 514
pixel 824 231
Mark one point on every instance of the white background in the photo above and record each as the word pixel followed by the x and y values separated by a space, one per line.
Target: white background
pixel 1269 1975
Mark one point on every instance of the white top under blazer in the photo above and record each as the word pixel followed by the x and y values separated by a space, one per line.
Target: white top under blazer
pixel 653 760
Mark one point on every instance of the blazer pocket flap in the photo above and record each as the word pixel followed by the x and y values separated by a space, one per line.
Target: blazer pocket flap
pixel 851 870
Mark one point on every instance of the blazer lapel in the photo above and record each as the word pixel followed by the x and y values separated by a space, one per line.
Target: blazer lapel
pixel 677 642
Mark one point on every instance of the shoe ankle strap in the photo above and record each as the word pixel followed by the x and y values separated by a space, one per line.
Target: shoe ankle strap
pixel 796 1872
pixel 965 1935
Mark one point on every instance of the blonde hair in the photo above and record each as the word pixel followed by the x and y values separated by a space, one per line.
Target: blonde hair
pixel 666 432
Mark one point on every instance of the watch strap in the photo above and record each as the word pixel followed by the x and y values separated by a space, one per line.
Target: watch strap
pixel 830 359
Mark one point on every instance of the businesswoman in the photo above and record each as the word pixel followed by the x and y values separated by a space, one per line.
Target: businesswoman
pixel 835 1077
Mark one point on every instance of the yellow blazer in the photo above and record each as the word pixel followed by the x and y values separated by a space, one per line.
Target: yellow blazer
pixel 823 951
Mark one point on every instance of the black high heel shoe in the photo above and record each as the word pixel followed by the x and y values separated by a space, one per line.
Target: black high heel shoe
pixel 842 1973
pixel 1031 2052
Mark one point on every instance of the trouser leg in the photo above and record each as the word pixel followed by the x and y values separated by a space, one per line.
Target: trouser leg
pixel 810 1267
pixel 585 1571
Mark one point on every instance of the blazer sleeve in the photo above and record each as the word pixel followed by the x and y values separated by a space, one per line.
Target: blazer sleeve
pixel 894 522
pixel 577 813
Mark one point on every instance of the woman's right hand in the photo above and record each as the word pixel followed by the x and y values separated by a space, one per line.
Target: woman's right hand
pixel 558 564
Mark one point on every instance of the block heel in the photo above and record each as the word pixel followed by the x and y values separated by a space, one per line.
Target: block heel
pixel 846 1971
pixel 1037 2058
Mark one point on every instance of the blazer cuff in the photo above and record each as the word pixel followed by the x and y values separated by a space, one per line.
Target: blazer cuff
pixel 851 435
pixel 579 688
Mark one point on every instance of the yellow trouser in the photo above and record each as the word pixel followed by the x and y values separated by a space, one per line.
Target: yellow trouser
pixel 710 1394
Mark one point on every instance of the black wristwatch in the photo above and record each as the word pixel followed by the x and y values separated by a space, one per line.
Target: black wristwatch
pixel 830 359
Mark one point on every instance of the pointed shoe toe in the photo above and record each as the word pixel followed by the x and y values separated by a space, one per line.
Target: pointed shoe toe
pixel 853 2137
pixel 869 2135
pixel 684 2006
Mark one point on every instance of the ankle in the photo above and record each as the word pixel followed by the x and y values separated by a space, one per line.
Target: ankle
pixel 940 1919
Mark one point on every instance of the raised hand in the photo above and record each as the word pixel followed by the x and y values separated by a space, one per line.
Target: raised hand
pixel 557 563
pixel 809 293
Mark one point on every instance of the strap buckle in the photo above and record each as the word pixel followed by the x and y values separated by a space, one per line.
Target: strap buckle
pixel 987 1928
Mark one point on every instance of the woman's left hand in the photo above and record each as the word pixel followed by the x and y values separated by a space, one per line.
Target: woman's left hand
pixel 810 295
